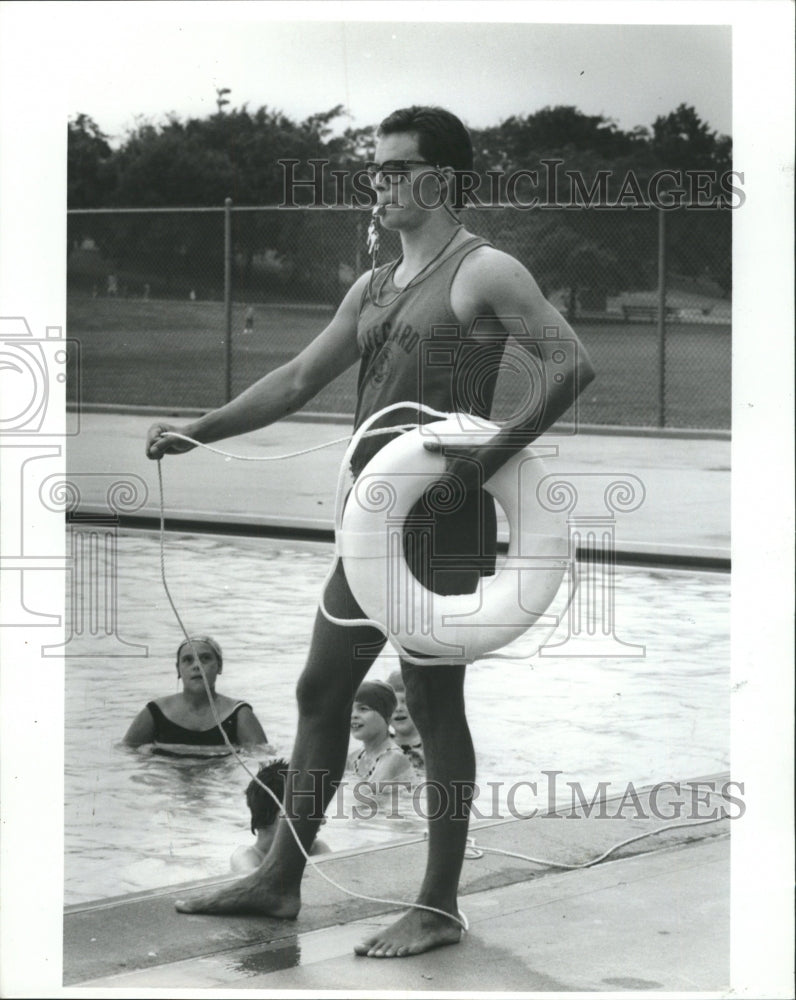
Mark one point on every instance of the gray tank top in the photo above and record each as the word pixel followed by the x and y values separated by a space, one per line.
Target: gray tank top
pixel 414 350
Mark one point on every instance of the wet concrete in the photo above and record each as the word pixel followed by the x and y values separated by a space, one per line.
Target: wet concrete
pixel 654 917
pixel 532 927
pixel 649 923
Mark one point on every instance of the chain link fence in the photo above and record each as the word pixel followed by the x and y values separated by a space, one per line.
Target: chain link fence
pixel 181 308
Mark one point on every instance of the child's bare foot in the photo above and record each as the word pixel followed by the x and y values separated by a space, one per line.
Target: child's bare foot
pixel 415 932
pixel 247 895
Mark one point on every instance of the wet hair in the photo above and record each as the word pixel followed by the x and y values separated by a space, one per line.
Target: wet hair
pixel 208 642
pixel 262 807
pixel 442 138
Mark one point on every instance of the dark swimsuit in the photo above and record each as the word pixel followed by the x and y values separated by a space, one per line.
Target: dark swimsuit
pixel 167 731
pixel 355 767
pixel 412 347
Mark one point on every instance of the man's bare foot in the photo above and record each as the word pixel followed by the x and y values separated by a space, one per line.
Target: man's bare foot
pixel 246 896
pixel 415 932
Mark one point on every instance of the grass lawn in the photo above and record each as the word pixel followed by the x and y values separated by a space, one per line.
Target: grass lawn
pixel 172 353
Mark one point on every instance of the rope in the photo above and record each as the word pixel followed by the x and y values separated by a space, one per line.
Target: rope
pixel 478 850
pixel 361 433
pixel 472 850
pixel 290 454
pixel 461 919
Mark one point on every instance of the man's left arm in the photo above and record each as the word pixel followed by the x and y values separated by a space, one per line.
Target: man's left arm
pixel 506 295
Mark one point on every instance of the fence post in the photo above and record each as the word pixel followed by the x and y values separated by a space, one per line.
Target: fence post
pixel 227 299
pixel 661 318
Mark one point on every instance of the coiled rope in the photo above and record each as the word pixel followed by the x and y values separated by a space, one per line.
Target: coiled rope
pixel 461 919
pixel 473 850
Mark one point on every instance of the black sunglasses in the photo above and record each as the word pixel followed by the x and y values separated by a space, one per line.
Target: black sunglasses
pixel 394 169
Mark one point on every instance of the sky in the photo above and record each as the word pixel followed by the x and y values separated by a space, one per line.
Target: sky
pixel 127 61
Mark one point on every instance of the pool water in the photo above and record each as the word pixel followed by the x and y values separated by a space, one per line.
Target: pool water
pixel 136 821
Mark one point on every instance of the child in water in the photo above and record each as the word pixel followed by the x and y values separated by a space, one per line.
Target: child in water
pixel 264 812
pixel 380 759
pixel 406 735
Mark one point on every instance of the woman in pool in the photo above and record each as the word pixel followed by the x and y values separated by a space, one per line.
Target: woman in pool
pixel 187 718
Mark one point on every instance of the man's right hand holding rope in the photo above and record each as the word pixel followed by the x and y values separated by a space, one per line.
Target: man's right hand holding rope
pixel 159 443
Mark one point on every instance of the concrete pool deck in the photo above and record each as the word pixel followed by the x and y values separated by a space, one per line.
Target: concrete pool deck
pixel 683 482
pixel 654 916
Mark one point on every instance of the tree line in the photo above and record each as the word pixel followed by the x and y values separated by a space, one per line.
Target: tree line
pixel 235 152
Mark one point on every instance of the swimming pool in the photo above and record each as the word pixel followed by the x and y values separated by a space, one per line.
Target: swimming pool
pixel 134 821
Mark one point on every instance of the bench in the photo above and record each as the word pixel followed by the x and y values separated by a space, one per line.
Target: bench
pixel 647 313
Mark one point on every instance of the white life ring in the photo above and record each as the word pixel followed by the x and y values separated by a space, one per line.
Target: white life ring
pixel 459 627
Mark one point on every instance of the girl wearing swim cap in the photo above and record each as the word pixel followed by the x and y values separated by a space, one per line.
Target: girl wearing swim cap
pixel 380 758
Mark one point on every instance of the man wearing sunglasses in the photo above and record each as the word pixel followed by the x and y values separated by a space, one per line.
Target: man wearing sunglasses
pixel 446 281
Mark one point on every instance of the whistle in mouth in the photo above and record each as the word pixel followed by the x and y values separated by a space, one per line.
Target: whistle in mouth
pixel 373 230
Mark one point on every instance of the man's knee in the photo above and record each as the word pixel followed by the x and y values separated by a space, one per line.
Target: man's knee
pixel 433 692
pixel 322 697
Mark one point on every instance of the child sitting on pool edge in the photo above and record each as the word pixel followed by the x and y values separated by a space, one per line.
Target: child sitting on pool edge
pixel 264 812
pixel 406 735
pixel 380 758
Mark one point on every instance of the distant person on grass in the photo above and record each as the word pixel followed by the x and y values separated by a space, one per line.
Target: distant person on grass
pixel 445 278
